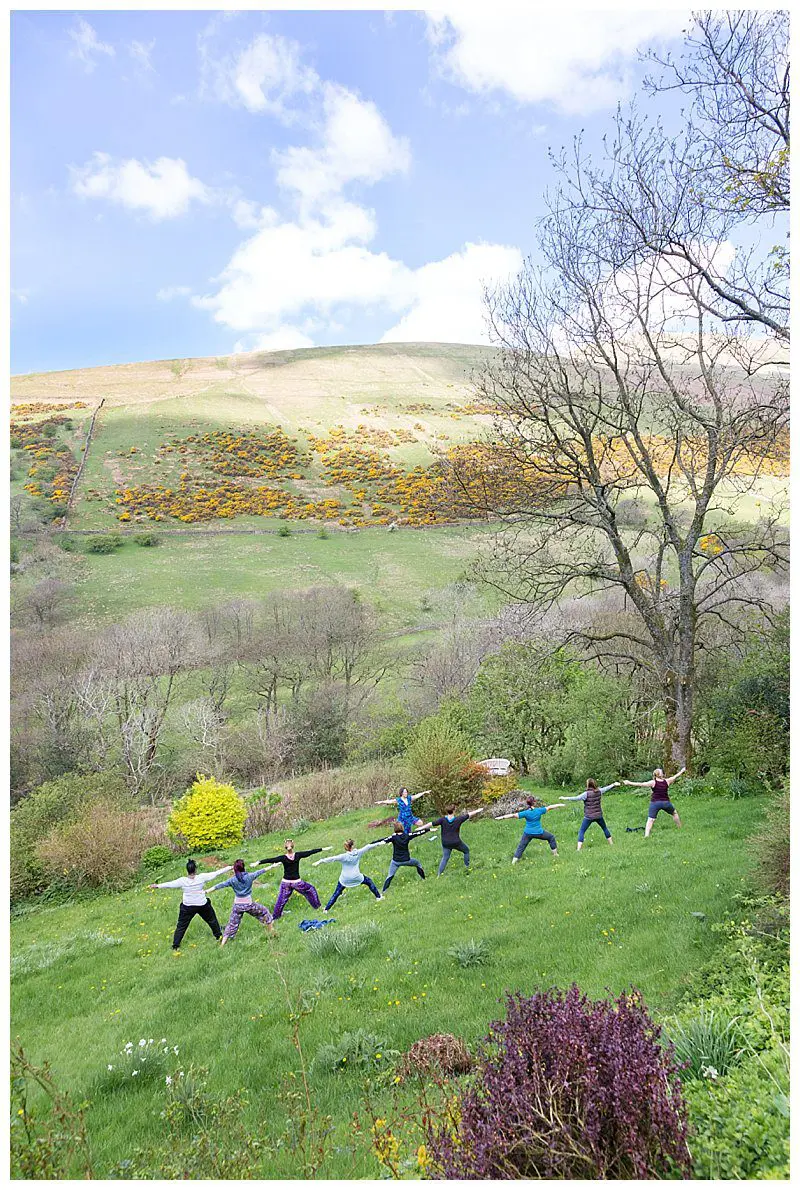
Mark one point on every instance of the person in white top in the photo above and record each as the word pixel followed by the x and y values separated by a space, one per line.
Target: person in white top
pixel 351 875
pixel 194 901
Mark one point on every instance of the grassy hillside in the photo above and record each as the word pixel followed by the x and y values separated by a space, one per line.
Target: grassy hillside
pixel 89 976
pixel 336 437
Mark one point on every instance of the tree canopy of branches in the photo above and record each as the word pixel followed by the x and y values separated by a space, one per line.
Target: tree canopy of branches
pixel 628 374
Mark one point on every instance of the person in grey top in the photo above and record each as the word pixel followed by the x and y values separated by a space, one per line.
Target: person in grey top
pixel 351 875
pixel 593 809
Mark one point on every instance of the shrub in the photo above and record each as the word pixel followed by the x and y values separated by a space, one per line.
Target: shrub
pixel 708 1042
pixel 105 543
pixel 56 803
pixel 740 1124
pixel 323 533
pixel 470 954
pixel 284 531
pixel 262 806
pixel 208 815
pixel 439 759
pixel 441 1053
pixel 156 857
pixel 772 845
pixel 344 943
pixel 14 551
pixel 101 849
pixel 329 792
pixel 496 788
pixel 147 540
pixel 360 1050
pixel 567 1088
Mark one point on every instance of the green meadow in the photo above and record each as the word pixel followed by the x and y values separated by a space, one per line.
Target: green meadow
pixel 90 975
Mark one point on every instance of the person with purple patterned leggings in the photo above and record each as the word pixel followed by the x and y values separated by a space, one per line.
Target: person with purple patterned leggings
pixel 242 885
pixel 291 881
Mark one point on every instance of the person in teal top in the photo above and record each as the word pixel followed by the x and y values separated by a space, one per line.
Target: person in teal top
pixel 533 828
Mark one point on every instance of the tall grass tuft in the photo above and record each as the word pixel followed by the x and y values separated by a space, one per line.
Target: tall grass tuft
pixel 470 953
pixel 344 943
pixel 706 1045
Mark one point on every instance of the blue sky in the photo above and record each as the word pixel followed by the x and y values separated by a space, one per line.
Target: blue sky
pixel 191 183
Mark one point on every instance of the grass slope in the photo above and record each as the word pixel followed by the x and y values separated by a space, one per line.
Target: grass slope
pixel 606 918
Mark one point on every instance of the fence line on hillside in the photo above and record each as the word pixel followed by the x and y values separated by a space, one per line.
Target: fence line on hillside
pixel 79 472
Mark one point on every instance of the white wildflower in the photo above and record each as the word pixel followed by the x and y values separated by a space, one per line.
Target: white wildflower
pixel 134 1074
pixel 142 1042
pixel 709 1072
pixel 169 1080
pixel 110 1067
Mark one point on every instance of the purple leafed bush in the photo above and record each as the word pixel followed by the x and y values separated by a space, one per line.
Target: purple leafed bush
pixel 567 1087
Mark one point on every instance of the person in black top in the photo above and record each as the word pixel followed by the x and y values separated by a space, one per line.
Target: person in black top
pixel 659 796
pixel 451 835
pixel 401 857
pixel 291 881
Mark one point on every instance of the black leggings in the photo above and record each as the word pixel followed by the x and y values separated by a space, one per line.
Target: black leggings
pixel 526 839
pixel 185 915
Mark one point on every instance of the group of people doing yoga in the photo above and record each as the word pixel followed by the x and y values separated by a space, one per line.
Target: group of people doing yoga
pixel 407 827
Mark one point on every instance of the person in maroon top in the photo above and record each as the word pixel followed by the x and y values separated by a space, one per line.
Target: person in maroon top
pixel 659 796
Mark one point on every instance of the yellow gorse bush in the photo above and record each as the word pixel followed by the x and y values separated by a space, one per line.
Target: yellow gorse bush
pixel 209 814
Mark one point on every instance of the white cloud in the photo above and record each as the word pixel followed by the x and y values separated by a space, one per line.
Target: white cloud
pixel 448 295
pixel 576 61
pixel 302 277
pixel 285 338
pixel 268 72
pixel 86 45
pixel 173 291
pixel 357 146
pixel 141 54
pixel 162 190
pixel 318 264
pixel 320 271
pixel 262 77
pixel 251 215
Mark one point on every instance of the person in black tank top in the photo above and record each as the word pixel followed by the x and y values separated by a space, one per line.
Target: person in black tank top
pixel 659 796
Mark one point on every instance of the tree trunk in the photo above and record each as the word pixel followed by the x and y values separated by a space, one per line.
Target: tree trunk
pixel 679 715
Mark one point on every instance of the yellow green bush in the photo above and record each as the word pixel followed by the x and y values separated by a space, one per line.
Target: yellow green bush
pixel 209 814
pixel 497 787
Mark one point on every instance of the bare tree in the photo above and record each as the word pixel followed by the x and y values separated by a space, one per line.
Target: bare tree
pixel 735 72
pixel 132 681
pixel 627 372
pixel 46 603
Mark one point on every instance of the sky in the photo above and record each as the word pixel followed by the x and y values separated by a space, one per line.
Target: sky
pixel 199 183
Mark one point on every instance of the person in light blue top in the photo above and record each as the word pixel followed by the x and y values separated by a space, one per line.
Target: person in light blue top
pixel 533 828
pixel 351 875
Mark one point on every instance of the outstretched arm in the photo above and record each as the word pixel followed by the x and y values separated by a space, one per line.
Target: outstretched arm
pixel 675 776
pixel 639 784
pixel 500 817
pixel 608 788
pixel 421 794
pixel 169 883
pixel 580 798
pixel 472 813
pixel 389 802
pixel 557 806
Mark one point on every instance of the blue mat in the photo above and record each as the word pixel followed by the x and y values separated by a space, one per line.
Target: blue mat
pixel 310 924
